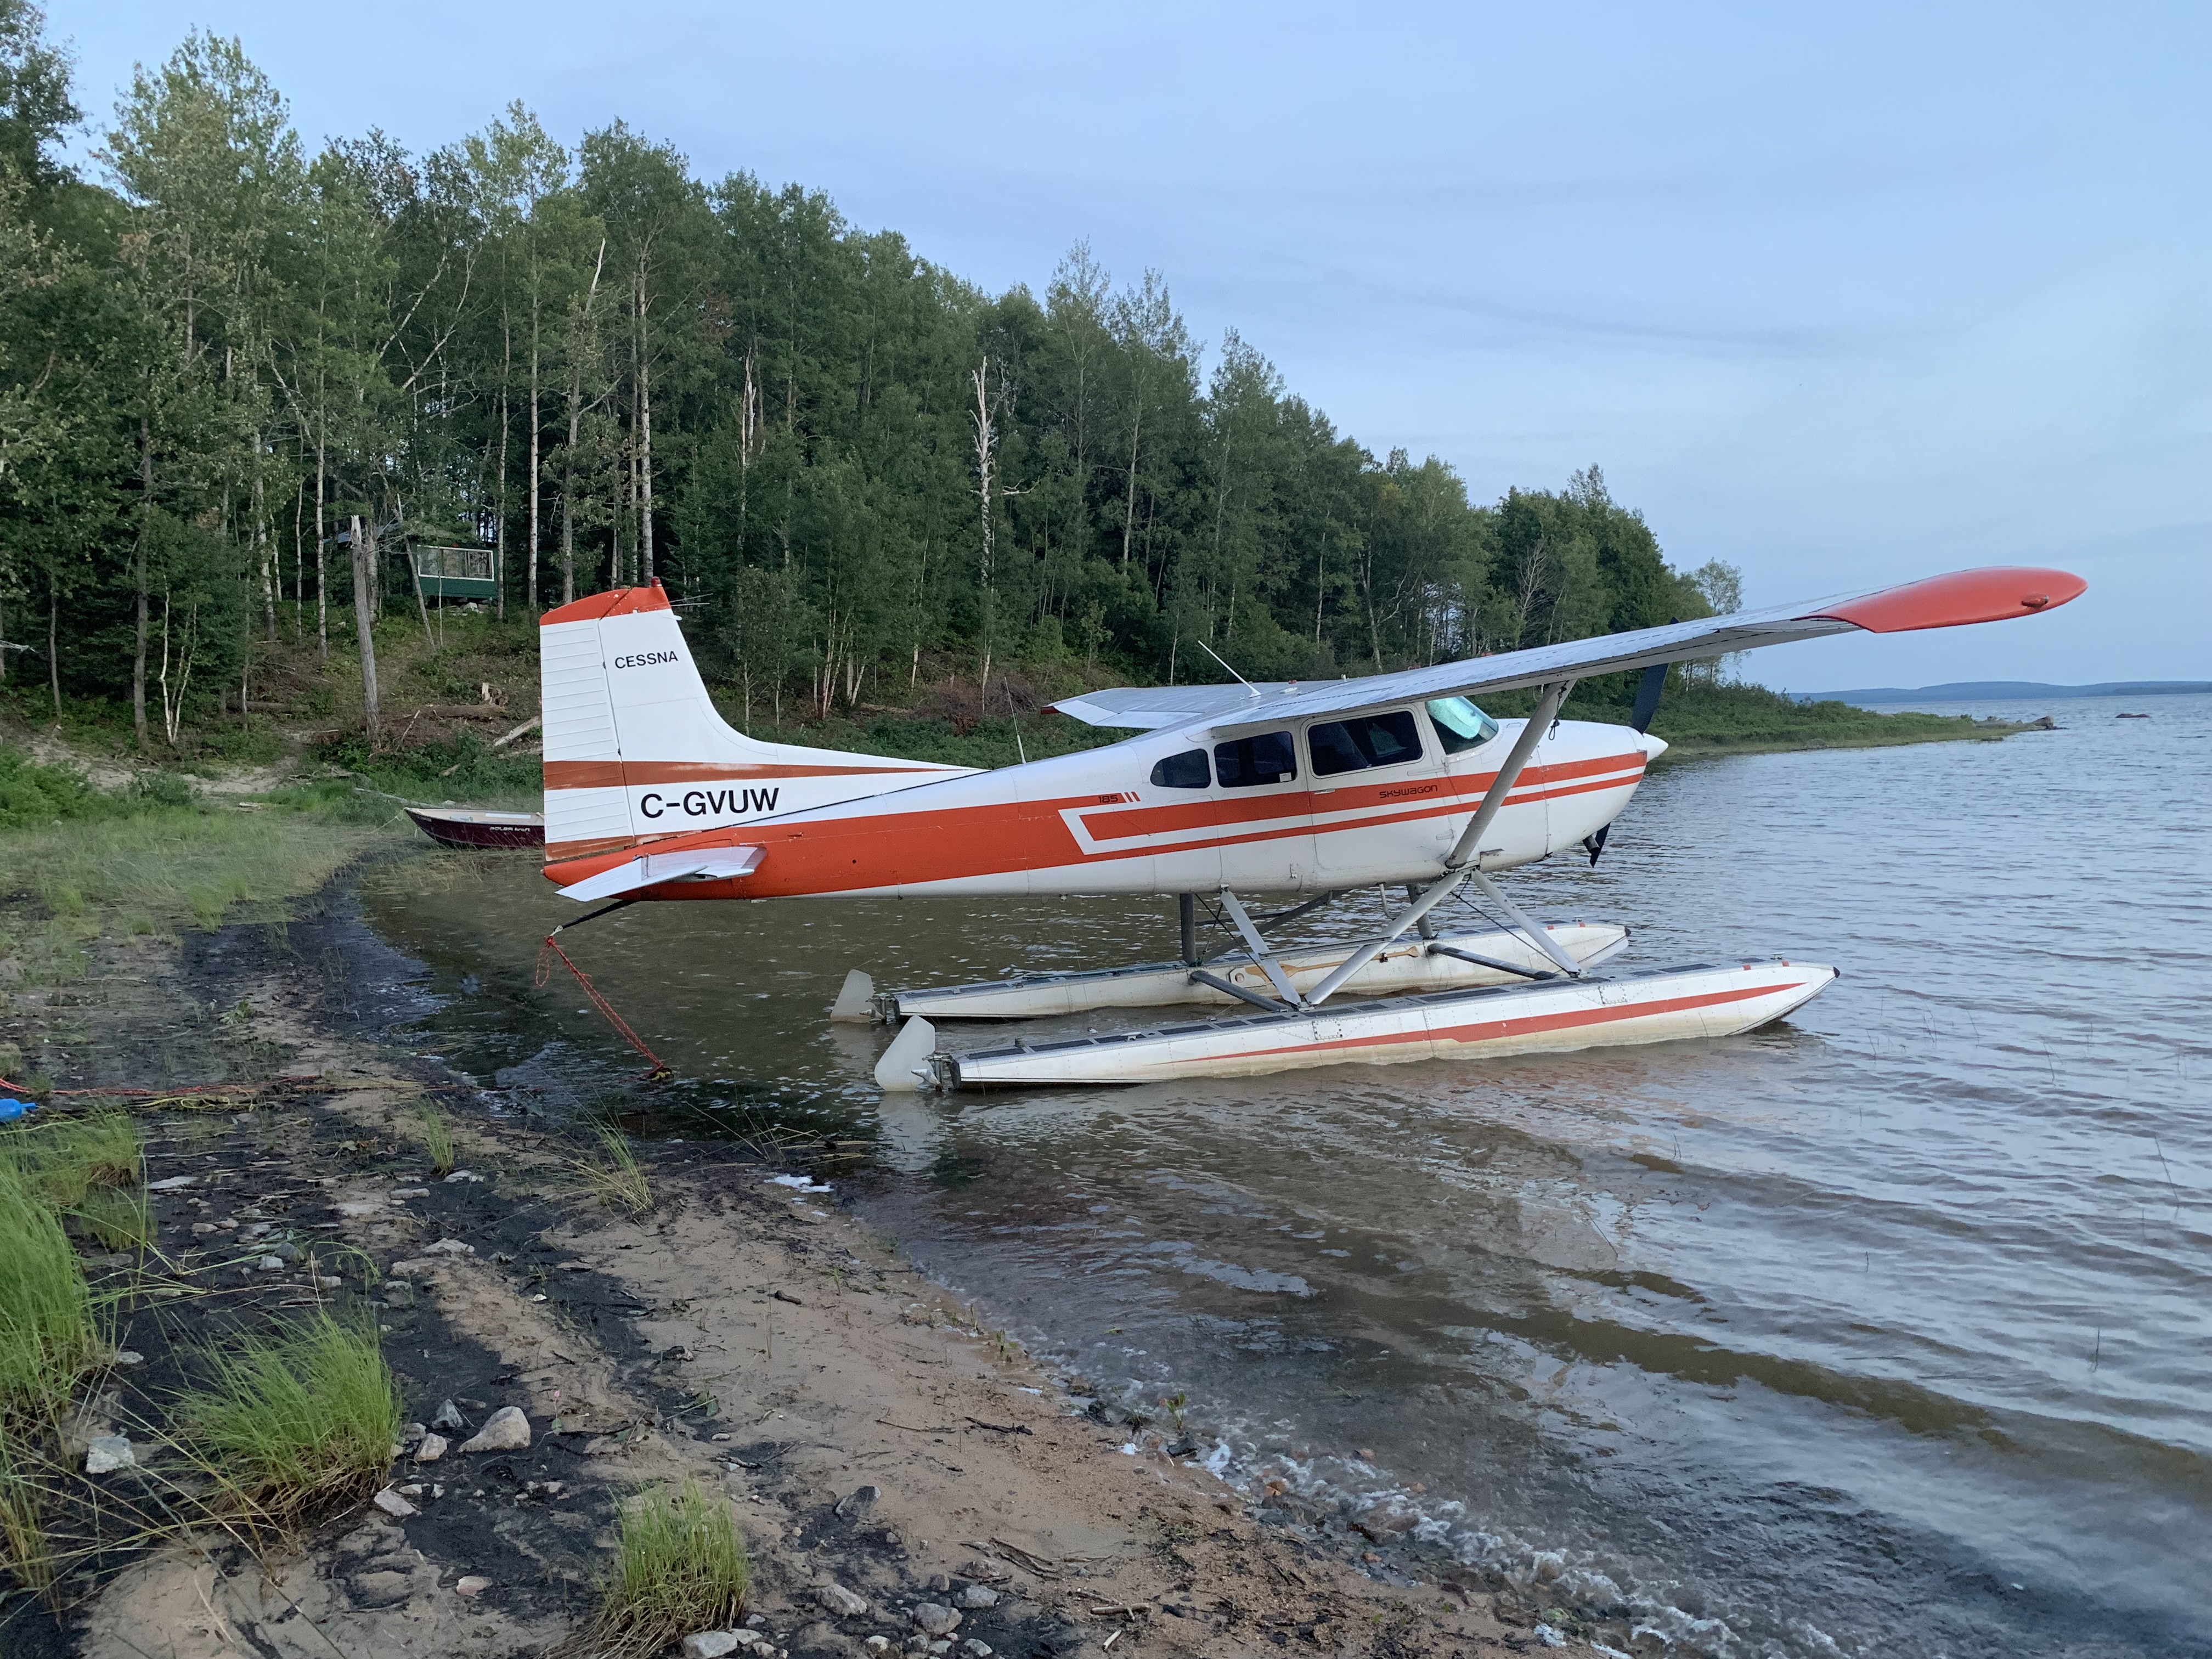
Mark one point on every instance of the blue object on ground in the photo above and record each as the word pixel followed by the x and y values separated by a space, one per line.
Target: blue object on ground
pixel 12 1109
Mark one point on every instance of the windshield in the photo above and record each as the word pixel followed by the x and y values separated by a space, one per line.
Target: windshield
pixel 1460 724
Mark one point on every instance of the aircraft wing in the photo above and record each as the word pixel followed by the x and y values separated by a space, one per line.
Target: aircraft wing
pixel 1990 594
pixel 1149 708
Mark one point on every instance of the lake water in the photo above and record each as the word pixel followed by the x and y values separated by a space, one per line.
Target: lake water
pixel 1885 1331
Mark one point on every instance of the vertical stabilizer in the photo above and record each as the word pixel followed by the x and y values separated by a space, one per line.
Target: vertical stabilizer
pixel 636 750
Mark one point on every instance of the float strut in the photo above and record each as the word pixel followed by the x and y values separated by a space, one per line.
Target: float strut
pixel 1260 953
pixel 1200 976
pixel 1186 912
pixel 1481 961
pixel 1536 936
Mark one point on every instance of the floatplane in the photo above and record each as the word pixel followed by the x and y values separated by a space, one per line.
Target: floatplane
pixel 1226 796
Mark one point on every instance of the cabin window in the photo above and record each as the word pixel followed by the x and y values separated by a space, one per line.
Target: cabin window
pixel 1247 762
pixel 1183 771
pixel 1460 724
pixel 1353 746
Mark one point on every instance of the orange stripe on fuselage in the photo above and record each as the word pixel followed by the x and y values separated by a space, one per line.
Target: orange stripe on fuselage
pixel 806 856
pixel 1167 818
pixel 617 774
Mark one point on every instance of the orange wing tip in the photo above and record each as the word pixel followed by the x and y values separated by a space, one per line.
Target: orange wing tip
pixel 615 602
pixel 1965 596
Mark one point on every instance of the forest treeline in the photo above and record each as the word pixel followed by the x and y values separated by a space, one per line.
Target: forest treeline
pixel 240 380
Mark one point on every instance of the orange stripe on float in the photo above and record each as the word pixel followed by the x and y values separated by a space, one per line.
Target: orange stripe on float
pixel 1488 1030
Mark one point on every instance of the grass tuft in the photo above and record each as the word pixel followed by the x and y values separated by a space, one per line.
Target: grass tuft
pixel 295 1423
pixel 438 1138
pixel 680 1567
pixel 65 1160
pixel 119 1219
pixel 26 1551
pixel 615 1176
pixel 49 1336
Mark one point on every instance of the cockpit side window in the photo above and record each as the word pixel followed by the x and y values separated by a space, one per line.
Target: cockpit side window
pixel 1184 771
pixel 1460 724
pixel 1247 762
pixel 1353 746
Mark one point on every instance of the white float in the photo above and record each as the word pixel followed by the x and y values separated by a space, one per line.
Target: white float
pixel 1697 1001
pixel 1450 961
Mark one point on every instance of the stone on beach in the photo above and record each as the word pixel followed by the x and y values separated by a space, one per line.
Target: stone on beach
pixel 449 1246
pixel 449 1416
pixel 978 1595
pixel 857 1502
pixel 473 1585
pixel 935 1619
pixel 431 1449
pixel 393 1504
pixel 104 1454
pixel 710 1643
pixel 505 1430
pixel 842 1602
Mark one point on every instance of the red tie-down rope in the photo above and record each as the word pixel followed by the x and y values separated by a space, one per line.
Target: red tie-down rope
pixel 551 949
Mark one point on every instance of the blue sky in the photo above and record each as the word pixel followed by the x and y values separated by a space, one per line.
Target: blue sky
pixel 1840 298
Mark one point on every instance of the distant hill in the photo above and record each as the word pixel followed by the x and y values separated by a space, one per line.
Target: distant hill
pixel 2008 690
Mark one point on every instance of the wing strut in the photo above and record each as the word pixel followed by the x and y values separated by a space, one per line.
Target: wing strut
pixel 1466 858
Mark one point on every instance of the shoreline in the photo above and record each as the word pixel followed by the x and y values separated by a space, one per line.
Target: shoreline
pixel 740 1305
pixel 1988 731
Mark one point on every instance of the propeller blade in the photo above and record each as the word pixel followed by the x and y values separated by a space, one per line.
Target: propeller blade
pixel 1647 697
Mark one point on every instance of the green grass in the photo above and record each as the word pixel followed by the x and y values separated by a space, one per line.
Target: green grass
pixel 680 1566
pixel 615 1176
pixel 437 1138
pixel 161 872
pixel 50 1334
pixel 295 1423
pixel 118 1219
pixel 25 1550
pixel 65 1160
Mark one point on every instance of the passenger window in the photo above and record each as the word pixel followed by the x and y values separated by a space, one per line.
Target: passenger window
pixel 1248 761
pixel 1183 771
pixel 1355 744
pixel 1460 724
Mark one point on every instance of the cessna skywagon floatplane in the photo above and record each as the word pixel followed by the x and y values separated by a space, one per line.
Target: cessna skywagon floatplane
pixel 1228 794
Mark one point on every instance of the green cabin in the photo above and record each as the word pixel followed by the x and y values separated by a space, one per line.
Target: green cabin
pixel 457 572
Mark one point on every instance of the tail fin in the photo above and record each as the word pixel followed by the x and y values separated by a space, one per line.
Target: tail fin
pixel 635 750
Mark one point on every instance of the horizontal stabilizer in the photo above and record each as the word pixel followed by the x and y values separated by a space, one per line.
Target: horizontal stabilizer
pixel 715 864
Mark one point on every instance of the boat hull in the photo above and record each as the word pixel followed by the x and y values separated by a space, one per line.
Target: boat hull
pixel 468 828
